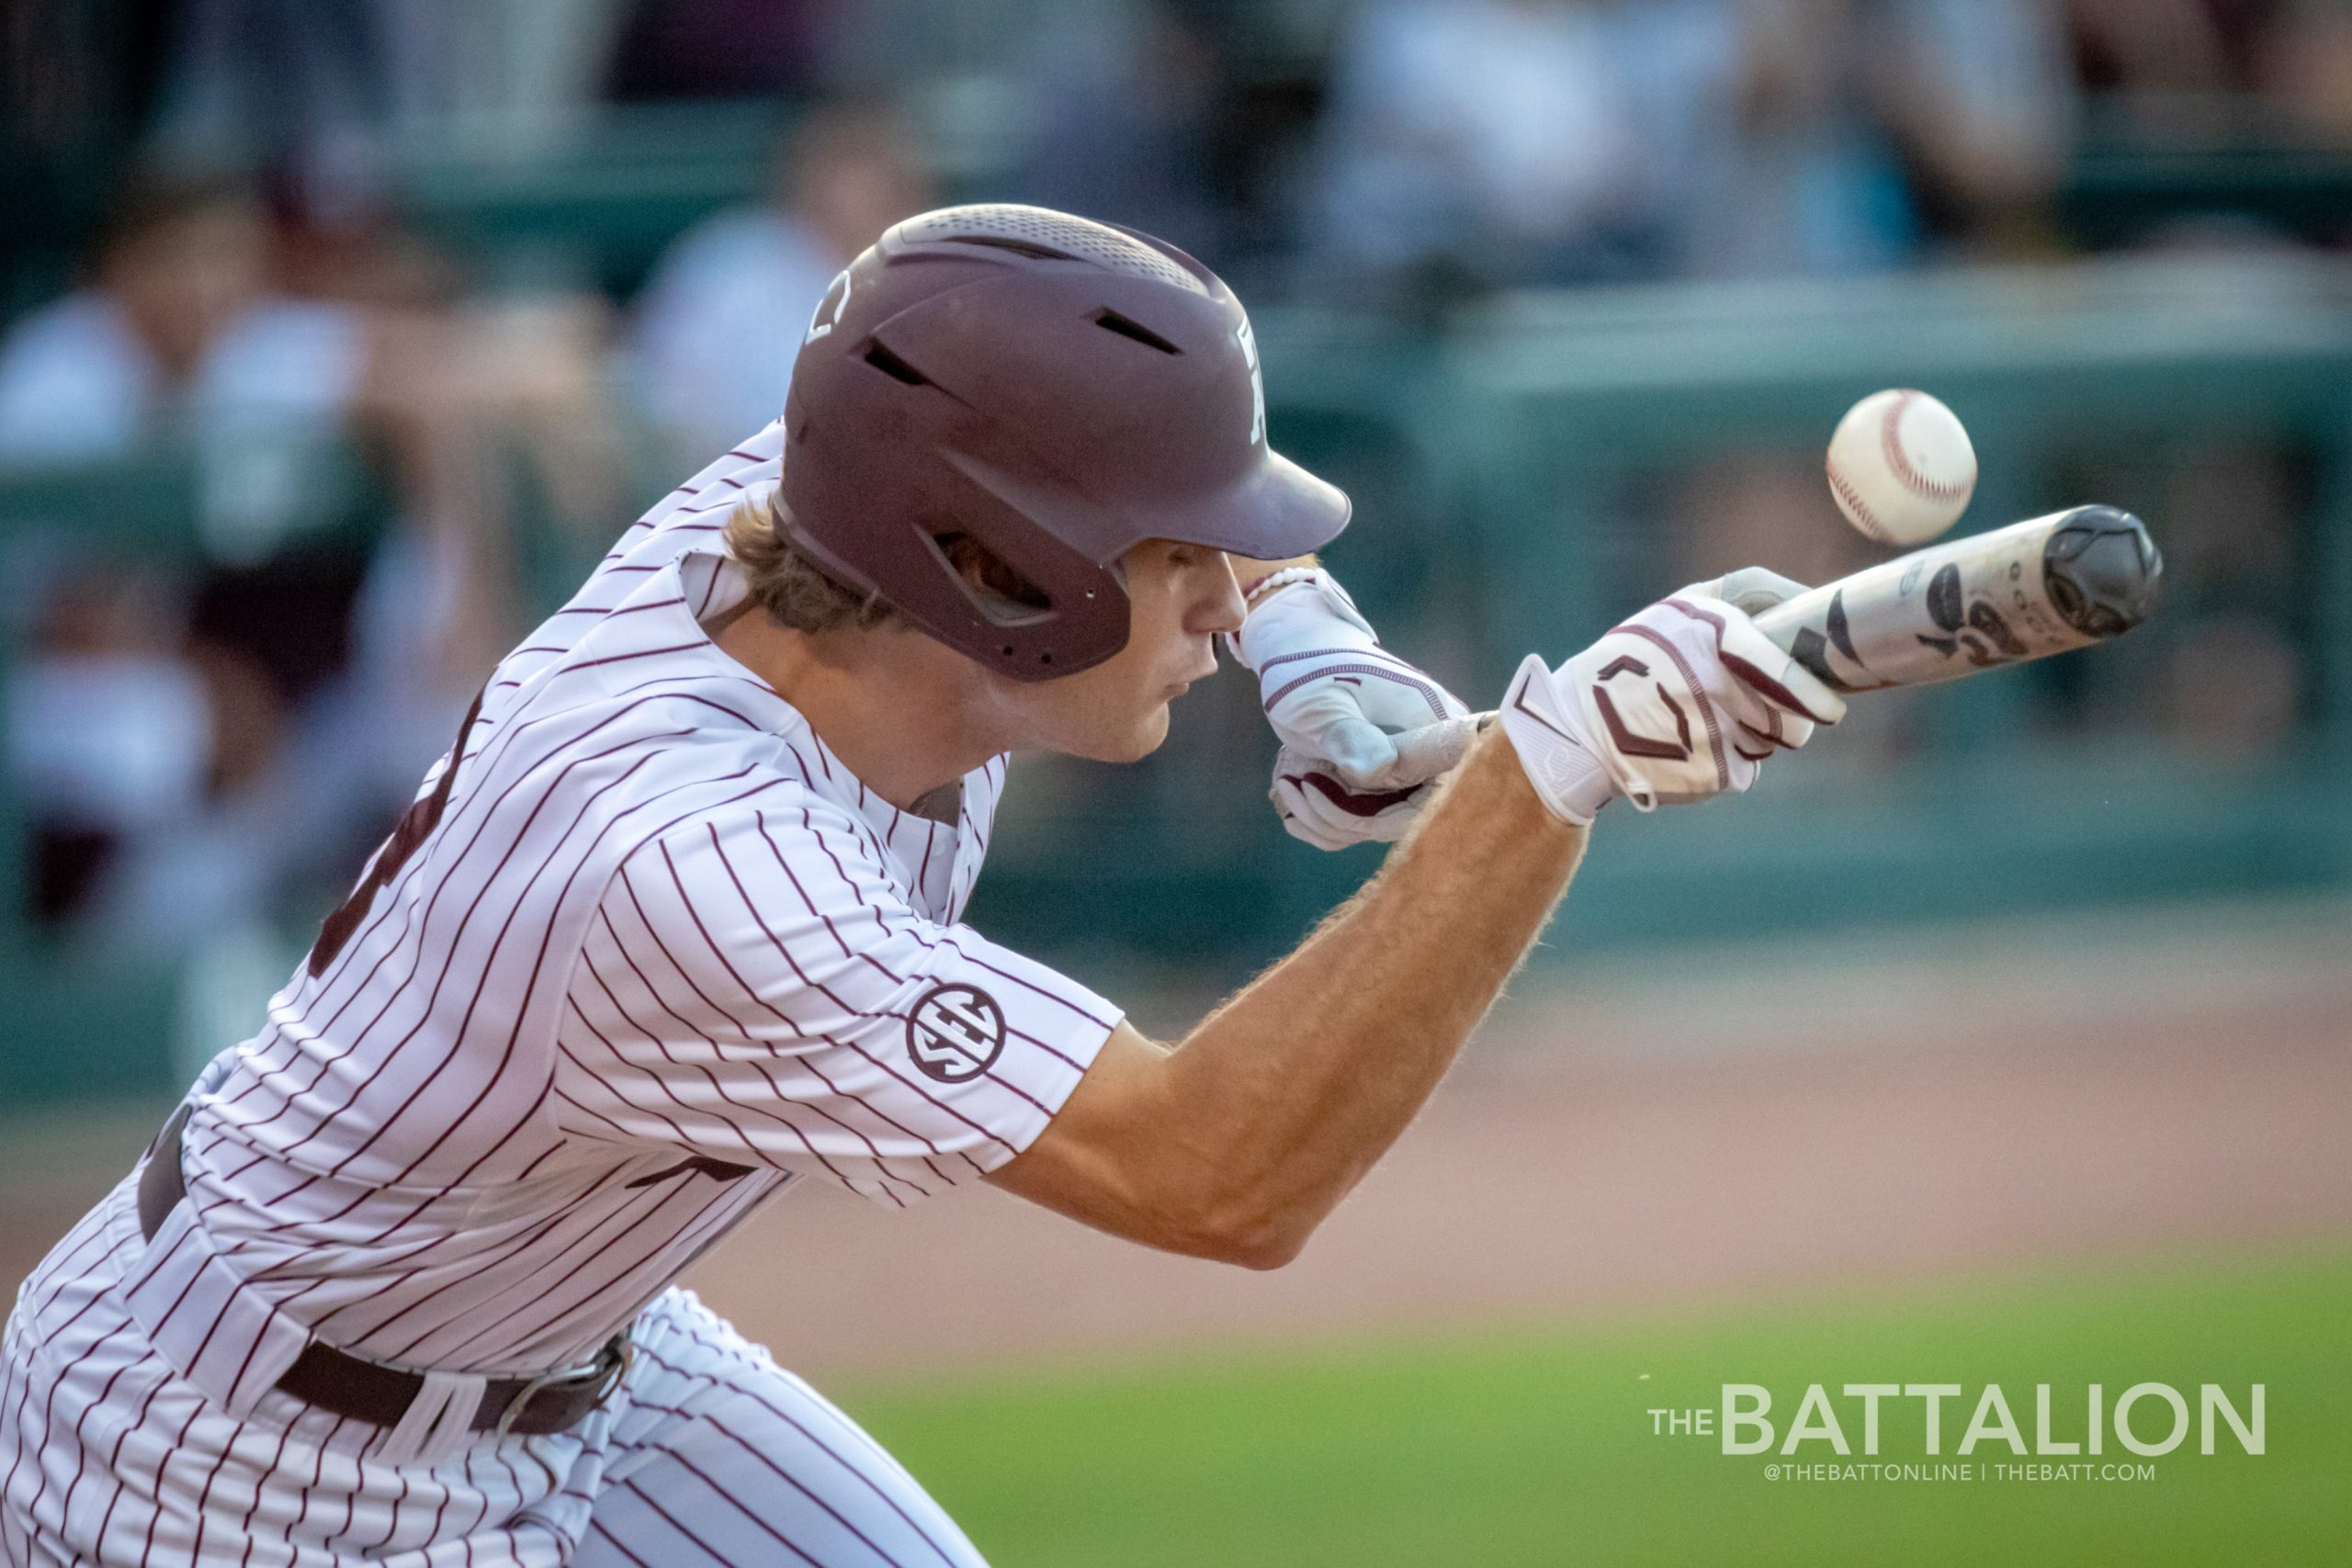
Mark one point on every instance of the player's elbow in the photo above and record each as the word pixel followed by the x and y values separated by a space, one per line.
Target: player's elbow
pixel 1266 1251
pixel 1256 1214
pixel 1250 1236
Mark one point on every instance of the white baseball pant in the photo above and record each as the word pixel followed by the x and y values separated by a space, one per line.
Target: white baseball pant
pixel 709 1454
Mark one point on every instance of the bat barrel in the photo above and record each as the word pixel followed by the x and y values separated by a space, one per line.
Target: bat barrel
pixel 2025 591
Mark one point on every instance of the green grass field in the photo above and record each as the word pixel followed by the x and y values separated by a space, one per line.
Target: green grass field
pixel 1533 1445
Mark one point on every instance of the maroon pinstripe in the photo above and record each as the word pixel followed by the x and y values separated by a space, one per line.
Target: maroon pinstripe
pixel 649 915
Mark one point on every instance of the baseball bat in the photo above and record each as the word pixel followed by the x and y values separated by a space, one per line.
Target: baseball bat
pixel 2046 585
pixel 2043 586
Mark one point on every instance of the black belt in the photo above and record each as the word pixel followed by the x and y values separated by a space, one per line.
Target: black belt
pixel 343 1384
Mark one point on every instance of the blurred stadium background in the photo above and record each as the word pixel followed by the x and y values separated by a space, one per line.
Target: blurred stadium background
pixel 2005 1039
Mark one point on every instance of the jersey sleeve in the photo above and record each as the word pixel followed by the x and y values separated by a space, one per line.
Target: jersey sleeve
pixel 758 991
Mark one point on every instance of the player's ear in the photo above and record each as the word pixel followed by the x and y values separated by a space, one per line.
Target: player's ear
pixel 990 576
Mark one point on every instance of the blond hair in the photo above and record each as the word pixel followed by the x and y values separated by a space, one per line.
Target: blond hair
pixel 794 590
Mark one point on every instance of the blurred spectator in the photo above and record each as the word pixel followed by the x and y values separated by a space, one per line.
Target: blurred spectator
pixel 183 343
pixel 2180 67
pixel 721 49
pixel 1981 97
pixel 76 81
pixel 180 341
pixel 726 307
pixel 1551 142
pixel 1130 129
pixel 2190 70
pixel 1791 173
pixel 179 327
pixel 1492 137
pixel 2170 82
pixel 502 79
pixel 109 732
pixel 299 84
pixel 2306 65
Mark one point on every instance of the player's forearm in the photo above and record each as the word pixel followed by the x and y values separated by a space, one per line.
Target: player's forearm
pixel 1279 1102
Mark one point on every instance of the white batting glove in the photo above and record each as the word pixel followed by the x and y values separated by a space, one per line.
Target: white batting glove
pixel 1364 734
pixel 1683 701
pixel 1319 807
pixel 1752 589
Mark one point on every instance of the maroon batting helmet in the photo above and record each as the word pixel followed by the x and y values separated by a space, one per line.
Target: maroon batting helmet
pixel 1053 390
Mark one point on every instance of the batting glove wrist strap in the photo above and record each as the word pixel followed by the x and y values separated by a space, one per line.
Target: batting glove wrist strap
pixel 1274 582
pixel 1547 735
pixel 1293 602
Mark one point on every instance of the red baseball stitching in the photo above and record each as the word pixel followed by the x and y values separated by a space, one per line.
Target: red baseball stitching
pixel 1856 507
pixel 1891 442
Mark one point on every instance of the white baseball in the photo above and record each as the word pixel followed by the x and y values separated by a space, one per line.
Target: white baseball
pixel 1901 467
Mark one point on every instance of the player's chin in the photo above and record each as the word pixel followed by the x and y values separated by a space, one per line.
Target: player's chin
pixel 1149 734
pixel 1136 740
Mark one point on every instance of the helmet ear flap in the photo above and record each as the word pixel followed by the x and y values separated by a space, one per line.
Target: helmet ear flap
pixel 1014 627
pixel 998 587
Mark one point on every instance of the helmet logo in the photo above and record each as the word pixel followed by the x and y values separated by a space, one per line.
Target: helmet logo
pixel 1256 383
pixel 825 320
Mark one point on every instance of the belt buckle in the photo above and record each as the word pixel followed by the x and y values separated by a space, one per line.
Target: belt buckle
pixel 611 1365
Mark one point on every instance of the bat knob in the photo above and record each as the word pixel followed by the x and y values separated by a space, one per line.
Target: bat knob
pixel 2102 571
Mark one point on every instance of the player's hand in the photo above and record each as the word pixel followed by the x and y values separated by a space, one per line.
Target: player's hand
pixel 1364 734
pixel 1683 701
pixel 1752 589
pixel 1317 805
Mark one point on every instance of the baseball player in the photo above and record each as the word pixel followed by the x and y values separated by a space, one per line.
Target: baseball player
pixel 676 925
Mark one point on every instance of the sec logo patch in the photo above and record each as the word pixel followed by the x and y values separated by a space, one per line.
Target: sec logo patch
pixel 955 1032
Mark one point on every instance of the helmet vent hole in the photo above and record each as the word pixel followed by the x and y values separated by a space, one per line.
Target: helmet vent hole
pixel 1046 235
pixel 891 365
pixel 1018 247
pixel 1111 320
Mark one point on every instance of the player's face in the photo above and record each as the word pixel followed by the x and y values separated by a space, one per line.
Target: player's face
pixel 1180 597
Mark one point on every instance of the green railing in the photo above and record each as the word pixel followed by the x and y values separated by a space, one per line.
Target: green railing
pixel 599 208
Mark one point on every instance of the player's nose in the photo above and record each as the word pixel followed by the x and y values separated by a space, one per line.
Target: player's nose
pixel 1220 608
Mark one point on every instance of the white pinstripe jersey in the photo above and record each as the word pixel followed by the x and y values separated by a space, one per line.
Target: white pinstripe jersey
pixel 642 955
